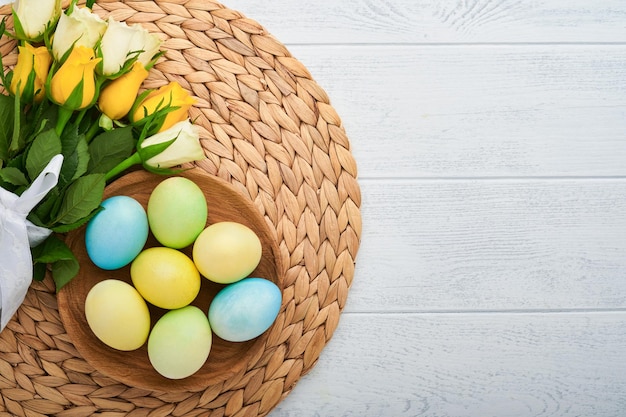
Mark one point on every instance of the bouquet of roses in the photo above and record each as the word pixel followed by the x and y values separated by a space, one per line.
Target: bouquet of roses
pixel 73 116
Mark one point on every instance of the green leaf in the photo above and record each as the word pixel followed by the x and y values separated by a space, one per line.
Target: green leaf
pixel 16 140
pixel 17 26
pixel 13 176
pixel 34 219
pixel 18 162
pixel 39 272
pixel 69 143
pixel 3 76
pixel 27 90
pixel 55 252
pixel 151 124
pixel 64 271
pixel 110 148
pixel 43 210
pixel 139 100
pixel 82 153
pixel 69 227
pixel 82 197
pixel 51 250
pixel 35 121
pixel 45 116
pixel 46 145
pixel 154 150
pixel 75 153
pixel 69 139
pixel 6 125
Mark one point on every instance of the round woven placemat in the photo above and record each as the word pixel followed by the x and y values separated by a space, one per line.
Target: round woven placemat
pixel 269 129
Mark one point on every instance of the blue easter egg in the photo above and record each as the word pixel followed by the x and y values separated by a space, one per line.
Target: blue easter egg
pixel 245 309
pixel 116 235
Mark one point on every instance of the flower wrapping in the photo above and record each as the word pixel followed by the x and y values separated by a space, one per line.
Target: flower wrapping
pixel 18 235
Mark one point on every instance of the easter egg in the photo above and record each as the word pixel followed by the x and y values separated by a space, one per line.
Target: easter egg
pixel 177 212
pixel 165 277
pixel 245 309
pixel 117 314
pixel 226 252
pixel 180 342
pixel 116 235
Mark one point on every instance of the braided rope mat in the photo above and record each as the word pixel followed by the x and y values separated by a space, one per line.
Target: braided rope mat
pixel 267 128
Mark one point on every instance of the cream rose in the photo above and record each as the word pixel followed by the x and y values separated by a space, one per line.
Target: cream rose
pixel 80 28
pixel 121 42
pixel 186 147
pixel 32 17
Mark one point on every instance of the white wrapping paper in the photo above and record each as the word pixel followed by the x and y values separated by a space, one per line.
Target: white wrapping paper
pixel 17 235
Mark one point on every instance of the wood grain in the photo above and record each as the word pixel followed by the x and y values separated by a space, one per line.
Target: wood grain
pixel 491 245
pixel 490 141
pixel 487 365
pixel 433 21
pixel 480 111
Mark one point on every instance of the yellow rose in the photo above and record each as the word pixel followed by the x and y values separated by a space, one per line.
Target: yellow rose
pixel 170 95
pixel 31 60
pixel 117 98
pixel 73 86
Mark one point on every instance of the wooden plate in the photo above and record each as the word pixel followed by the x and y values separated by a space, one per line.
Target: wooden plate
pixel 133 368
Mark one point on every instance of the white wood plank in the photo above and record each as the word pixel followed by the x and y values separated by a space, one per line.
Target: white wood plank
pixel 475 365
pixel 436 21
pixel 458 111
pixel 486 275
pixel 452 245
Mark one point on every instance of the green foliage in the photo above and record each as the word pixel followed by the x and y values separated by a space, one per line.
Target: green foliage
pixel 13 176
pixel 75 154
pixel 81 198
pixel 28 141
pixel 45 146
pixel 55 252
pixel 6 125
pixel 110 148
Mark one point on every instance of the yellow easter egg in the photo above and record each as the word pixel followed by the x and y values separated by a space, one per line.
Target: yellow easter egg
pixel 117 314
pixel 165 277
pixel 226 252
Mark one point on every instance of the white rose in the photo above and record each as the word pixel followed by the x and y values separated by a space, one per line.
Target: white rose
pixel 147 42
pixel 186 147
pixel 34 16
pixel 120 41
pixel 81 26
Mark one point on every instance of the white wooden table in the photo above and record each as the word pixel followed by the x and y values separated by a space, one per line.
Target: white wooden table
pixel 490 137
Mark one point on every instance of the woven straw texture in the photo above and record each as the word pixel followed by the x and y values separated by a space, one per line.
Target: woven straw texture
pixel 268 129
